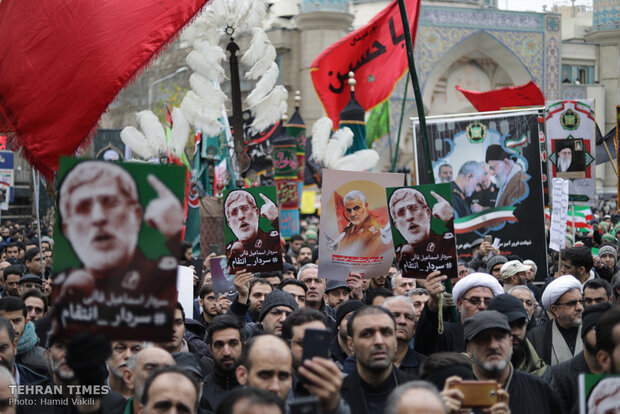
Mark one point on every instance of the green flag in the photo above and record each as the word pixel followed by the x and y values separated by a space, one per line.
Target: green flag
pixel 378 124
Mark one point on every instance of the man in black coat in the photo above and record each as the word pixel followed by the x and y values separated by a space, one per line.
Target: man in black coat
pixel 566 374
pixel 489 345
pixel 372 336
pixel 225 343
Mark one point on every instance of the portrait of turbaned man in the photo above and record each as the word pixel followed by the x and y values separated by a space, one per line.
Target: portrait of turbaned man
pixel 119 230
pixel 570 159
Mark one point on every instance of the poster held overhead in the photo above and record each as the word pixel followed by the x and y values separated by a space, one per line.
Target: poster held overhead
pixel 252 231
pixel 355 233
pixel 116 244
pixel 422 221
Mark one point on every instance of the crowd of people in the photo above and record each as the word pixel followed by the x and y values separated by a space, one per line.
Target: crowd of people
pixel 396 344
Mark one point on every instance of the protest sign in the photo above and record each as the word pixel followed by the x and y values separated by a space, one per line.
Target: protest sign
pixel 185 289
pixel 355 233
pixel 559 216
pixel 221 280
pixel 7 166
pixel 423 230
pixel 117 239
pixel 571 134
pixel 252 230
pixel 493 165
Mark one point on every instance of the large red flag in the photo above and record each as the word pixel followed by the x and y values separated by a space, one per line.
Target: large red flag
pixel 524 95
pixel 377 55
pixel 62 62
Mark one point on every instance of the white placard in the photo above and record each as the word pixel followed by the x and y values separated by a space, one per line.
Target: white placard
pixel 185 288
pixel 559 216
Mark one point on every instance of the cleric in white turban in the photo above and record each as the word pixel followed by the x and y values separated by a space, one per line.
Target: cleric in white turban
pixel 474 280
pixel 557 288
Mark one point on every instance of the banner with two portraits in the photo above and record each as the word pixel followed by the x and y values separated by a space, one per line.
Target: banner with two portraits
pixel 492 163
pixel 117 239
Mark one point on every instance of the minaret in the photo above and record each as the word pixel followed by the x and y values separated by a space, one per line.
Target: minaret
pixel 321 23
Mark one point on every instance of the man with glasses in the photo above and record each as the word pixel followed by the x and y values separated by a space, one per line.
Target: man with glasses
pixel 597 291
pixel 471 295
pixel 559 339
pixel 528 299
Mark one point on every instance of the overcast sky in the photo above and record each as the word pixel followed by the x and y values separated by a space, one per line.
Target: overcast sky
pixel 536 5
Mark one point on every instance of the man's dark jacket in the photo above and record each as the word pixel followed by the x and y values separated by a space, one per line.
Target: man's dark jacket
pixel 428 341
pixel 530 394
pixel 565 376
pixel 351 390
pixel 215 387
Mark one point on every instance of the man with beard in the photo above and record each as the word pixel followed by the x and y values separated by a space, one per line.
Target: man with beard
pixel 8 350
pixel 121 352
pixel 489 345
pixel 411 216
pixel 445 173
pixel 524 356
pixel 242 217
pixel 362 236
pixel 508 175
pixel 252 291
pixel 566 374
pixel 565 161
pixel 471 295
pixel 208 304
pixel 137 370
pixel 608 342
pixel 336 292
pixel 225 342
pixel 486 192
pixel 305 255
pixel 463 187
pixel 339 349
pixel 372 336
pixel 559 339
pixel 606 267
pixel 406 359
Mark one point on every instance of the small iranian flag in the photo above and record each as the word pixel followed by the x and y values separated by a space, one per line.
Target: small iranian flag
pixel 583 216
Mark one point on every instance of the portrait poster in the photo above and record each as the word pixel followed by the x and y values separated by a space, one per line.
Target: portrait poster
pixel 252 231
pixel 6 179
pixel 422 221
pixel 7 167
pixel 496 184
pixel 220 278
pixel 116 243
pixel 571 145
pixel 598 393
pixel 355 234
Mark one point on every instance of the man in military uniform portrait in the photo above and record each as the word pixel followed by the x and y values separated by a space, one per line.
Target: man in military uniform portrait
pixel 467 180
pixel 424 251
pixel 254 250
pixel 101 218
pixel 362 235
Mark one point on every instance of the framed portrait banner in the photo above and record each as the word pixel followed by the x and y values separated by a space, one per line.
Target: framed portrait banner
pixel 422 222
pixel 252 231
pixel 571 145
pixel 355 234
pixel 492 163
pixel 116 243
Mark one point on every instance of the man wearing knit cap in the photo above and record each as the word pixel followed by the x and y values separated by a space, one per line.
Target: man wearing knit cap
pixel 494 265
pixel 339 348
pixel 559 339
pixel 277 306
pixel 489 345
pixel 513 274
pixel 508 175
pixel 566 374
pixel 471 295
pixel 606 267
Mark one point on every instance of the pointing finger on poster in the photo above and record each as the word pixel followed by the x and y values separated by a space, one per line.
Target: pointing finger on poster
pixel 442 209
pixel 164 213
pixel 269 209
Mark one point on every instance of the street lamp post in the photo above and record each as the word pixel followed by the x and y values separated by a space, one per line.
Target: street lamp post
pixel 160 80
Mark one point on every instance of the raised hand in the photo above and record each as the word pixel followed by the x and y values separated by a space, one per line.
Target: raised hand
pixel 442 209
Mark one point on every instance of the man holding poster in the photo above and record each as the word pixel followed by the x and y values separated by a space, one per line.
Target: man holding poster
pixel 424 250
